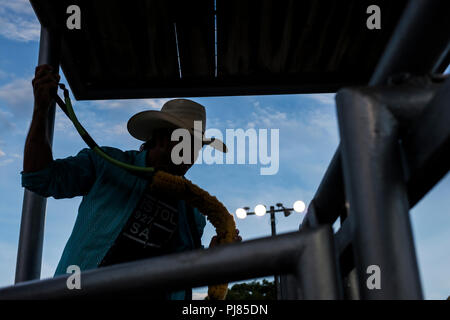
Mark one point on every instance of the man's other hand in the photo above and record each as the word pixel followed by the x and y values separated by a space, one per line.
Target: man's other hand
pixel 214 240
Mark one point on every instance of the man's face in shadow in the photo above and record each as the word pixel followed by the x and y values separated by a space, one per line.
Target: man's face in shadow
pixel 160 153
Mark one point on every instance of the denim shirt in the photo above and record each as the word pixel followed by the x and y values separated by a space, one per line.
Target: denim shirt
pixel 110 194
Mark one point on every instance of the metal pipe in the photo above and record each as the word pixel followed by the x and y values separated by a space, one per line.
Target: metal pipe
pixel 419 40
pixel 29 254
pixel 421 109
pixel 351 286
pixel 238 261
pixel 272 221
pixel 410 49
pixel 407 107
pixel 377 195
pixel 329 200
pixel 274 233
pixel 290 289
pixel 317 269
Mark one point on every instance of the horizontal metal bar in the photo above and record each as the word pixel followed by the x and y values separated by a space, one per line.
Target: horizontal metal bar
pixel 226 263
pixel 208 88
pixel 274 211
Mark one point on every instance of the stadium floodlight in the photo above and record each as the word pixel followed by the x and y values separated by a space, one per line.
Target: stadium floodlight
pixel 241 213
pixel 299 206
pixel 260 210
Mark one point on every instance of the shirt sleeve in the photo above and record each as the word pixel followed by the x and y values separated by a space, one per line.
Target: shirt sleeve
pixel 200 221
pixel 63 178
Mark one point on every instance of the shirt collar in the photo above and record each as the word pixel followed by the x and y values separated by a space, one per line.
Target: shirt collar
pixel 140 159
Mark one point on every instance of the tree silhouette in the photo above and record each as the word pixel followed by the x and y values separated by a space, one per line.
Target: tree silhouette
pixel 252 291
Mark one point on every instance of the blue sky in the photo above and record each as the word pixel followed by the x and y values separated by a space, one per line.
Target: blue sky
pixel 308 139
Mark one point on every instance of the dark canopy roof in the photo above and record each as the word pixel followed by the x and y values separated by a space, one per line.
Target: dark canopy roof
pixel 167 48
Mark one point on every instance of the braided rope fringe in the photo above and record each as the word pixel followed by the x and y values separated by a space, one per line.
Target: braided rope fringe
pixel 208 205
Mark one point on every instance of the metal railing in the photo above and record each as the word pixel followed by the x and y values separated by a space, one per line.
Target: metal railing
pixel 309 255
pixel 395 146
pixel 419 47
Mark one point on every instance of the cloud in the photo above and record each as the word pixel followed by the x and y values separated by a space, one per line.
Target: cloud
pixel 6 159
pixel 3 74
pixel 266 117
pixel 135 104
pixel 323 98
pixel 8 255
pixel 6 162
pixel 199 295
pixel 6 125
pixel 118 129
pixel 306 128
pixel 102 129
pixel 308 136
pixel 104 118
pixel 18 21
pixel 18 96
pixel 324 123
pixel 433 263
pixel 47 270
pixel 62 122
pixel 17 6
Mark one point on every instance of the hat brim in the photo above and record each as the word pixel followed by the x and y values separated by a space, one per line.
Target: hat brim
pixel 142 125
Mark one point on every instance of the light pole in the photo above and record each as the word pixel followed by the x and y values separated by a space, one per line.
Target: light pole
pixel 272 220
pixel 260 210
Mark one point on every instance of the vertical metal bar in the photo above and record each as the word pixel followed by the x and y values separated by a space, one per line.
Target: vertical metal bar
pixel 377 196
pixel 317 269
pixel 29 255
pixel 272 221
pixel 290 290
pixel 351 286
pixel 274 233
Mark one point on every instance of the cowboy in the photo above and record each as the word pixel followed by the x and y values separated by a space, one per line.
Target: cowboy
pixel 119 219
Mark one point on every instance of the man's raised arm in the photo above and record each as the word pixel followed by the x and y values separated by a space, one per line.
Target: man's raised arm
pixel 38 152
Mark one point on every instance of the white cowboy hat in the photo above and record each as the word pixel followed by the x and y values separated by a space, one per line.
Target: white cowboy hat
pixel 176 113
